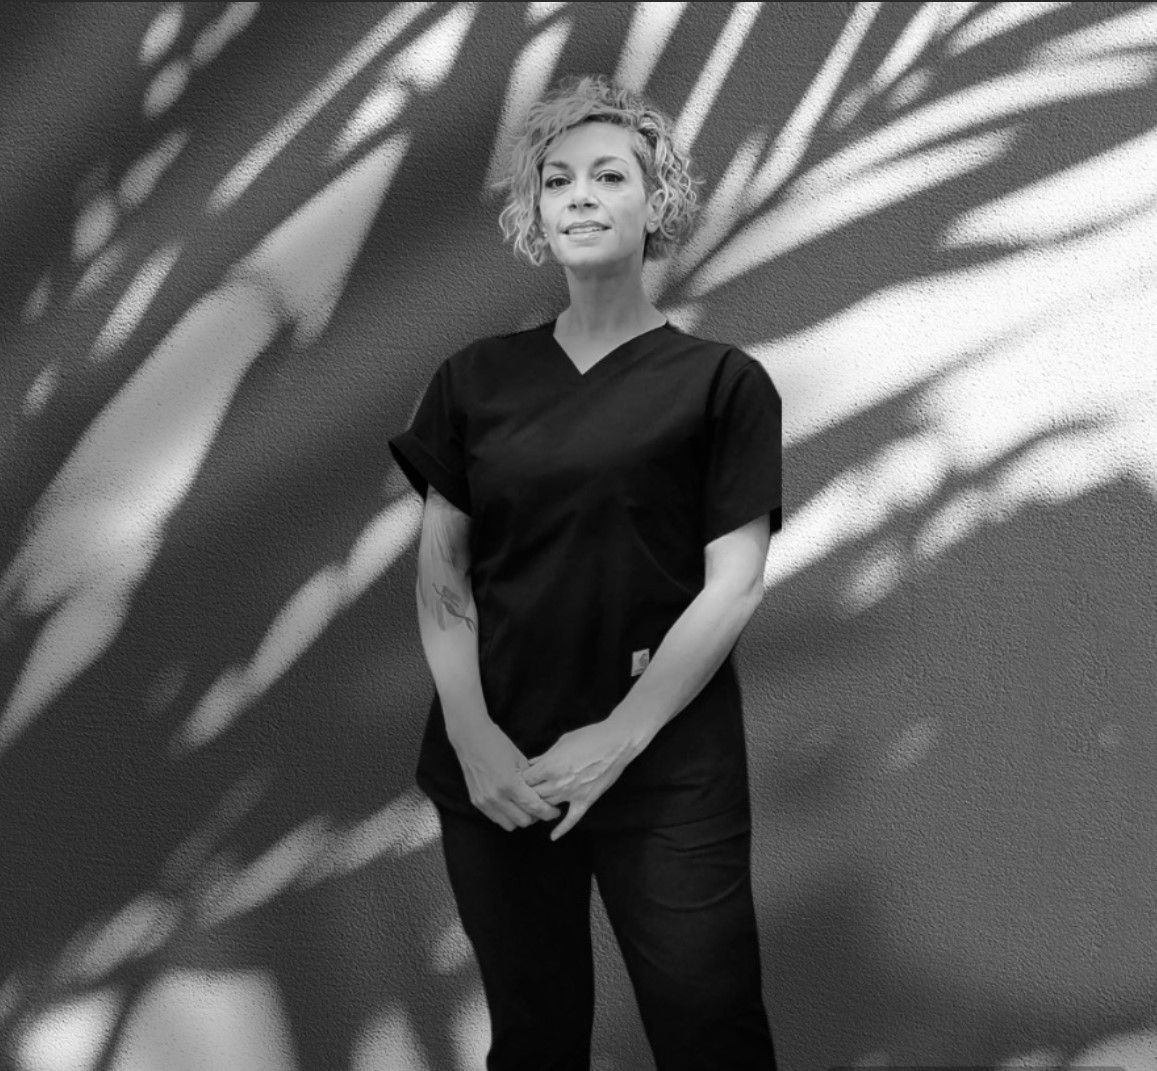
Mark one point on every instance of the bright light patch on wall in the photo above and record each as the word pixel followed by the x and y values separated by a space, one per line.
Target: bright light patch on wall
pixel 10 993
pixel 804 217
pixel 70 1036
pixel 407 824
pixel 908 471
pixel 918 33
pixel 165 685
pixel 1132 29
pixel 1024 405
pixel 909 89
pixel 70 640
pixel 716 217
pixel 37 301
pixel 1110 737
pixel 1103 190
pixel 1135 1050
pixel 686 316
pixel 954 522
pixel 131 308
pixel 1036 1060
pixel 303 619
pixel 40 390
pixel 815 106
pixel 912 744
pixel 161 34
pixel 97 273
pixel 141 179
pixel 470 1030
pixel 422 65
pixel 530 76
pixel 714 71
pixel 1057 376
pixel 844 113
pixel 303 264
pixel 100 522
pixel 201 1020
pixel 651 28
pixel 1082 291
pixel 140 927
pixel 166 87
pixel 1010 97
pixel 541 10
pixel 451 952
pixel 188 862
pixel 216 710
pixel 259 881
pixel 953 14
pixel 878 571
pixel 214 37
pixel 242 175
pixel 95 225
pixel 381 109
pixel 997 19
pixel 426 61
pixel 1061 468
pixel 875 1059
pixel 389 1041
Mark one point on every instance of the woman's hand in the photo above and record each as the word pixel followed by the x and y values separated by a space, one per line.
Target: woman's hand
pixel 579 767
pixel 491 762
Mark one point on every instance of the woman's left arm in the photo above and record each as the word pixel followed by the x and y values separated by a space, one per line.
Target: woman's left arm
pixel 584 763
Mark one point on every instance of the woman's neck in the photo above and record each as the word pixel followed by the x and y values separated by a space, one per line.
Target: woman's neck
pixel 604 323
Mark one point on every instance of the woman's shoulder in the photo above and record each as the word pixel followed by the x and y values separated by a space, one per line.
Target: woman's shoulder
pixel 499 341
pixel 535 328
pixel 725 358
pixel 479 346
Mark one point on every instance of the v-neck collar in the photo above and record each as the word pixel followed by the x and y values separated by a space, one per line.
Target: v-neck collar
pixel 557 350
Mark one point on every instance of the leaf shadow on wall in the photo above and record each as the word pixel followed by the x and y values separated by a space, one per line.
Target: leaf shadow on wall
pixel 932 738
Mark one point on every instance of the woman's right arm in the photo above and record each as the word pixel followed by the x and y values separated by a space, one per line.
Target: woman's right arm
pixel 448 624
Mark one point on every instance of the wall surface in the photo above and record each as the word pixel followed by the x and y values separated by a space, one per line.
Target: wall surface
pixel 237 241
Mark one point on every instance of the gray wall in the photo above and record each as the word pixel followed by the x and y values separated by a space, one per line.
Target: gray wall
pixel 239 238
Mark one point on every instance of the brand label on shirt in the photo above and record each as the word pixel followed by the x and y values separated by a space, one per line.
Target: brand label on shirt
pixel 639 661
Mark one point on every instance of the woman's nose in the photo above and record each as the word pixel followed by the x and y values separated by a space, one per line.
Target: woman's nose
pixel 579 195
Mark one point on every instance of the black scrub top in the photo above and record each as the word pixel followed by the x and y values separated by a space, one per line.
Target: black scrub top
pixel 592 496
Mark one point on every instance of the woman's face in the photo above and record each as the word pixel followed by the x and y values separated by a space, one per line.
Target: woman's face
pixel 590 174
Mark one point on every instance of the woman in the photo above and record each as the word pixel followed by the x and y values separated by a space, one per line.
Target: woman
pixel 599 495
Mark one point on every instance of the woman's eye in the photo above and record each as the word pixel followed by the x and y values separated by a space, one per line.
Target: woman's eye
pixel 558 178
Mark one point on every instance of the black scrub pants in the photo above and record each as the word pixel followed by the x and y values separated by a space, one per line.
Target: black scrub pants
pixel 679 901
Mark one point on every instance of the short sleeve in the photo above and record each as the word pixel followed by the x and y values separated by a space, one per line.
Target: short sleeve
pixel 744 470
pixel 431 450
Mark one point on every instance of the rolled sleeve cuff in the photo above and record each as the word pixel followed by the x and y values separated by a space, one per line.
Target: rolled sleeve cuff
pixel 423 469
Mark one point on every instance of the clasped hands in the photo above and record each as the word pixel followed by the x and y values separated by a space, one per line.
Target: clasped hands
pixel 577 769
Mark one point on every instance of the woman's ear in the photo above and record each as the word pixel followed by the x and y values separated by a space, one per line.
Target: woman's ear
pixel 655 210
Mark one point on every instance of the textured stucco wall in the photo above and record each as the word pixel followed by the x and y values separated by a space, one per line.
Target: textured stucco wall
pixel 238 238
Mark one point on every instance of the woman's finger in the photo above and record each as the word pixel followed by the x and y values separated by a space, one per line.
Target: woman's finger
pixel 573 813
pixel 533 804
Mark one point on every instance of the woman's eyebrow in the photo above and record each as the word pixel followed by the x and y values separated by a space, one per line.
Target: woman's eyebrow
pixel 600 160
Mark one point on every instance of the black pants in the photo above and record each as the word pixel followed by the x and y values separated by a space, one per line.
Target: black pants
pixel 679 901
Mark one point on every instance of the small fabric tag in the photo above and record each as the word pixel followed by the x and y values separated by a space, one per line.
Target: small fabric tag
pixel 640 660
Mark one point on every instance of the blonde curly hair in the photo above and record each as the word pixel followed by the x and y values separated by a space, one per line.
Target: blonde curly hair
pixel 595 98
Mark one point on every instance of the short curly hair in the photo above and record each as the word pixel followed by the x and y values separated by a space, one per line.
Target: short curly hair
pixel 595 98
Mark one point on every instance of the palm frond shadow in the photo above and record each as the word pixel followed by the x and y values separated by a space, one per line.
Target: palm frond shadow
pixel 879 673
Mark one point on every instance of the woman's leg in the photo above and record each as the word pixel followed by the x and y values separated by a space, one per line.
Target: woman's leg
pixel 525 906
pixel 679 900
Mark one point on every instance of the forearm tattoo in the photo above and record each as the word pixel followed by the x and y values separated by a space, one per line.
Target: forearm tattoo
pixel 443 583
